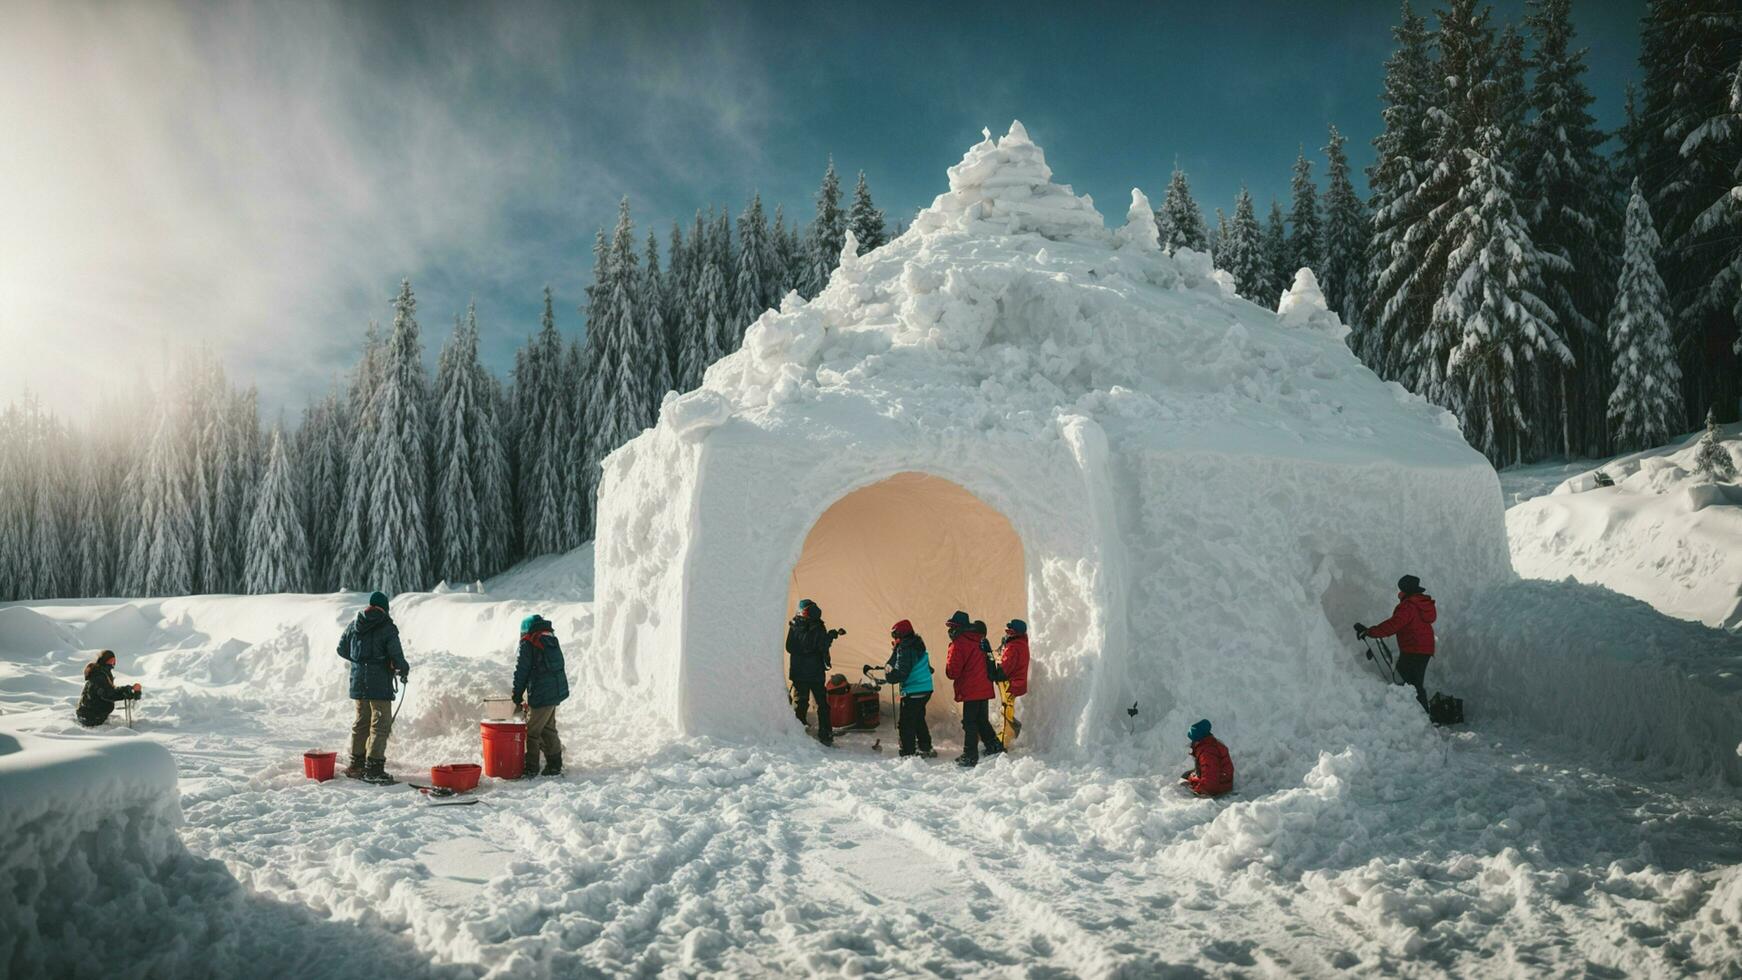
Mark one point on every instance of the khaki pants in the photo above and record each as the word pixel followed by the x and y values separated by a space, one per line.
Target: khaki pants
pixel 374 723
pixel 541 734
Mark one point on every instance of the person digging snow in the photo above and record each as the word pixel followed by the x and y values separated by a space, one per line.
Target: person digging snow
pixel 1412 622
pixel 807 644
pixel 101 694
pixel 966 666
pixel 371 645
pixel 1213 772
pixel 910 667
pixel 1013 662
pixel 539 676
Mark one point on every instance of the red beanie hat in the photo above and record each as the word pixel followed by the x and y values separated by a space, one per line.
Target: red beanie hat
pixel 903 628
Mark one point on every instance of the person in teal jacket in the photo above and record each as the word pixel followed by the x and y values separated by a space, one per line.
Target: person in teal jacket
pixel 542 681
pixel 910 667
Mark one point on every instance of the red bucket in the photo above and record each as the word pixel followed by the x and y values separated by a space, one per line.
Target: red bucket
pixel 318 765
pixel 459 778
pixel 504 748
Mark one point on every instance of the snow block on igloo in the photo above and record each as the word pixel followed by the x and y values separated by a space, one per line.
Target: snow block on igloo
pixel 1206 494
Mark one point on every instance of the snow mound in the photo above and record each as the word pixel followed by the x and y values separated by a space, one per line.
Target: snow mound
pixel 1662 533
pixel 124 627
pixel 557 578
pixel 26 631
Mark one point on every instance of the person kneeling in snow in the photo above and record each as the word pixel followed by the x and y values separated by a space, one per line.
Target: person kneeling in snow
pixel 1412 622
pixel 910 667
pixel 807 643
pixel 1013 662
pixel 1213 773
pixel 539 675
pixel 371 644
pixel 966 666
pixel 100 693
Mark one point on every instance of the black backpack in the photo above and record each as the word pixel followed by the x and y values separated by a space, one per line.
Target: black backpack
pixel 1443 709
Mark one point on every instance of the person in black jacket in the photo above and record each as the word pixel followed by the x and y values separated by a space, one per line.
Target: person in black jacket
pixel 100 693
pixel 807 644
pixel 910 668
pixel 371 645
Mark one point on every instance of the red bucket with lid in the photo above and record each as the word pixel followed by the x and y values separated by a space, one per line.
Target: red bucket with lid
pixel 504 748
pixel 458 777
pixel 318 765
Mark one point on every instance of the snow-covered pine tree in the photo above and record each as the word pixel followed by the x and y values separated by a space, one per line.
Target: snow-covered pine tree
pixel 617 400
pixel 92 552
pixel 783 258
pixel 1179 220
pixel 1305 233
pixel 351 555
pixel 160 562
pixel 471 463
pixel 1398 289
pixel 827 232
pixel 320 465
pixel 543 417
pixel 795 248
pixel 1243 255
pixel 1712 459
pixel 750 287
pixel 1645 406
pixel 1491 322
pixel 680 283
pixel 1719 227
pixel 277 548
pixel 1344 239
pixel 1566 184
pixel 863 218
pixel 652 301
pixel 48 557
pixel 1219 241
pixel 575 443
pixel 1276 257
pixel 399 555
pixel 1633 138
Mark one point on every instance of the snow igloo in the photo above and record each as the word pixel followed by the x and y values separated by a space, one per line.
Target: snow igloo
pixel 1013 410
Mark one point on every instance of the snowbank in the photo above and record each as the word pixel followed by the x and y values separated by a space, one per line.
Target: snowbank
pixel 1662 533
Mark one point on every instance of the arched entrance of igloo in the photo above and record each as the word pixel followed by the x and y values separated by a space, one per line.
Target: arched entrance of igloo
pixel 916 547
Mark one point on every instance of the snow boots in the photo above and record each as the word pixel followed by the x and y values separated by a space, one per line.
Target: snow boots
pixel 356 769
pixel 553 764
pixel 375 771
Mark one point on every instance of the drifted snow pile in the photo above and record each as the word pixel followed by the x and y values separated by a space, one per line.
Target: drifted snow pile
pixel 1207 493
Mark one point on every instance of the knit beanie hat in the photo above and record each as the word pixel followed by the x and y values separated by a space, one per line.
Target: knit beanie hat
pixel 903 628
pixel 1199 731
pixel 378 599
pixel 1017 626
pixel 1410 585
pixel 959 620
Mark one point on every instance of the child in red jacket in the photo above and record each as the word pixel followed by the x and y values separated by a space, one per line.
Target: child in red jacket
pixel 1214 773
pixel 966 666
pixel 1013 662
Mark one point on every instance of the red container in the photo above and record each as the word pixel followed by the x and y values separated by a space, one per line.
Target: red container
pixel 318 765
pixel 504 748
pixel 459 777
pixel 842 714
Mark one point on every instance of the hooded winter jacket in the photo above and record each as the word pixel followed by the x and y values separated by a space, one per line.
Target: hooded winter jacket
pixel 371 644
pixel 1013 660
pixel 966 665
pixel 539 674
pixel 1214 774
pixel 910 666
pixel 100 694
pixel 1412 622
pixel 807 643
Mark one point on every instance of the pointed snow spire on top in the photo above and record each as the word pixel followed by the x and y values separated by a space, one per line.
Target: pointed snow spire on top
pixel 1003 186
pixel 1303 305
pixel 849 264
pixel 1018 133
pixel 1140 231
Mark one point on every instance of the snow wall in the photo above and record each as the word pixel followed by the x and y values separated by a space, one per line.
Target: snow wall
pixel 1206 493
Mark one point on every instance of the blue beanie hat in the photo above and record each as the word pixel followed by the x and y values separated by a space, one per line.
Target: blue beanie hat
pixel 1200 730
pixel 378 599
pixel 531 622
pixel 1017 626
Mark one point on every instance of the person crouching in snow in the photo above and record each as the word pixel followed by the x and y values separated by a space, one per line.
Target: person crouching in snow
pixel 1013 662
pixel 1213 774
pixel 910 667
pixel 1412 622
pixel 540 677
pixel 371 644
pixel 966 666
pixel 100 694
pixel 807 643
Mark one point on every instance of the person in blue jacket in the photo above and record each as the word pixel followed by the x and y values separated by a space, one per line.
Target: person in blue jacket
pixel 371 644
pixel 543 683
pixel 910 666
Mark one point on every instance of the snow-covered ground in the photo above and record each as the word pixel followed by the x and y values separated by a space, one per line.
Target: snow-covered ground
pixel 1662 533
pixel 1387 847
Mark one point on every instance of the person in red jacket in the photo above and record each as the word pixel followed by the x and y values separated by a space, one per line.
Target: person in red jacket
pixel 1213 773
pixel 1412 622
pixel 1013 661
pixel 966 666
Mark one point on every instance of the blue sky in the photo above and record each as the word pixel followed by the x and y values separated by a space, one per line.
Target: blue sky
pixel 257 178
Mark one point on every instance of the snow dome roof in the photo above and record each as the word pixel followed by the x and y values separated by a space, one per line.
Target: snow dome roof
pixel 1009 303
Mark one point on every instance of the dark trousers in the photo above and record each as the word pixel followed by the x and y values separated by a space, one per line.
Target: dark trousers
pixel 805 691
pixel 1412 670
pixel 976 729
pixel 915 736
